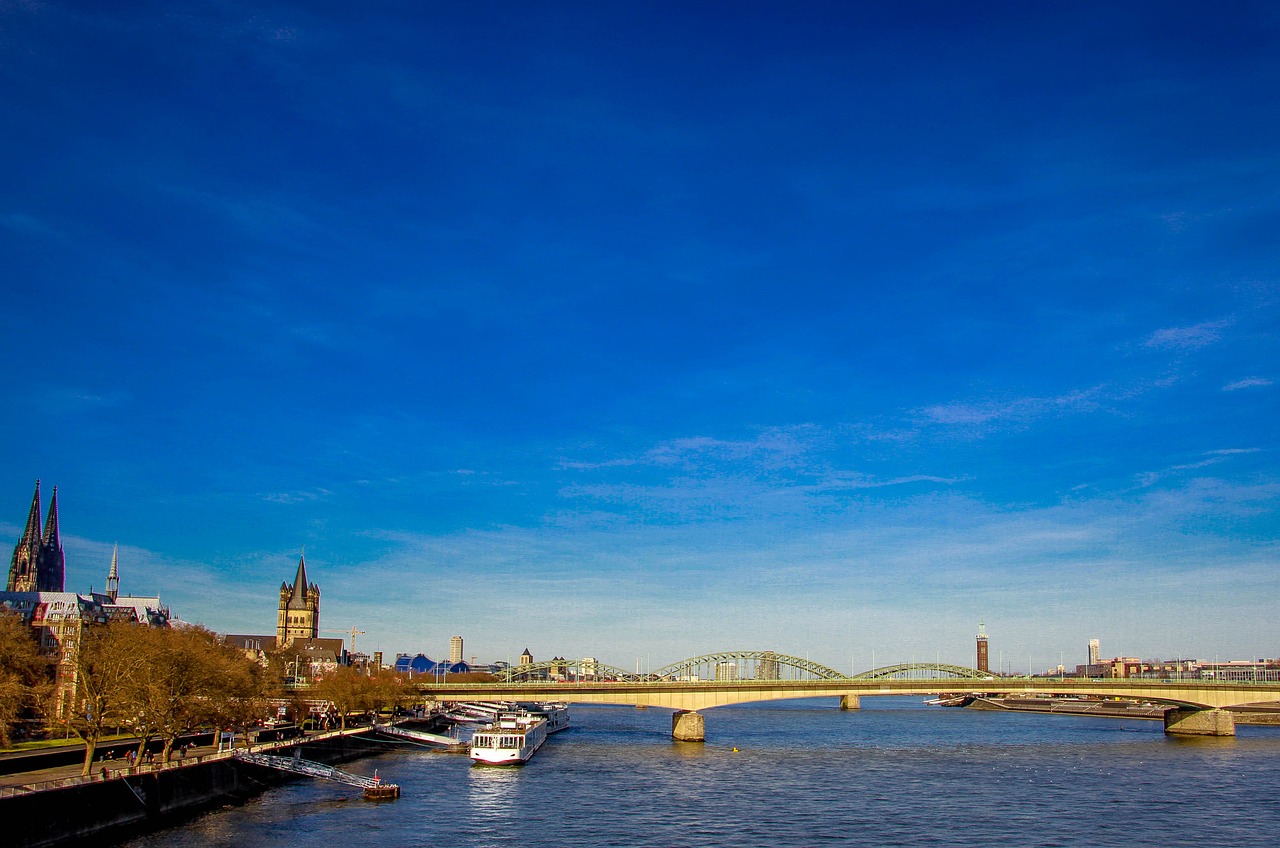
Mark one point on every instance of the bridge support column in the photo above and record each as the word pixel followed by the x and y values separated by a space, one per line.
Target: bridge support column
pixel 1183 721
pixel 688 726
pixel 850 702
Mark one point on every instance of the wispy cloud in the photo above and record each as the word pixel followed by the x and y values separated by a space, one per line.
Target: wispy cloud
pixel 1248 383
pixel 71 399
pixel 1187 338
pixel 307 496
pixel 1017 410
pixel 581 465
pixel 946 557
pixel 771 448
pixel 862 481
pixel 1213 457
pixel 774 447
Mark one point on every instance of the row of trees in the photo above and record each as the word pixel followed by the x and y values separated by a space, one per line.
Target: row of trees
pixel 155 682
pixel 162 683
pixel 351 691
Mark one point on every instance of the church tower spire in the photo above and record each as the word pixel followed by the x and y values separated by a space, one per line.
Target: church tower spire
pixel 299 595
pixel 26 554
pixel 299 614
pixel 51 564
pixel 113 576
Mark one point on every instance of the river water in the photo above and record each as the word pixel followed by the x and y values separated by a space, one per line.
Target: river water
pixel 795 773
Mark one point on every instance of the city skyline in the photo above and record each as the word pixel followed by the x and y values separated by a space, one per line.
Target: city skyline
pixel 642 333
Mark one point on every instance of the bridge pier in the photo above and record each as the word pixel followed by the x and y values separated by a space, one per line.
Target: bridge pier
pixel 1184 721
pixel 850 702
pixel 688 726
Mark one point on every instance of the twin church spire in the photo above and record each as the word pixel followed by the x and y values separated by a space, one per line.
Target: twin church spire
pixel 38 564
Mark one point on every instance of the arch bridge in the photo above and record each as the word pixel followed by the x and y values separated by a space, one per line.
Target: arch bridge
pixel 725 665
pixel 734 677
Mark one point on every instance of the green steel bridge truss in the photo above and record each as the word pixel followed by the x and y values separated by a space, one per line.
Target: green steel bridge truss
pixel 924 671
pixel 732 665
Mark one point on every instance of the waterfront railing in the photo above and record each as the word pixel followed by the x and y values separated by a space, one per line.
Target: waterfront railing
pixel 185 762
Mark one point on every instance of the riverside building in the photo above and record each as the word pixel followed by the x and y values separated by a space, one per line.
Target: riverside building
pixel 36 593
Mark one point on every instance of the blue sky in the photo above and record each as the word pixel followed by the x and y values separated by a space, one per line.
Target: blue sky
pixel 646 330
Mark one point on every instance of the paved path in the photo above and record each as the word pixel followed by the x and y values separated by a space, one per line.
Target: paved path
pixel 35 777
pixel 41 775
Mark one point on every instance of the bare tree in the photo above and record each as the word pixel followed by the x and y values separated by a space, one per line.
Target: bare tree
pixel 106 667
pixel 24 674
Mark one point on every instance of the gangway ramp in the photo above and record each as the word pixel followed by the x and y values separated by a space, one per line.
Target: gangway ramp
pixel 373 787
pixel 416 735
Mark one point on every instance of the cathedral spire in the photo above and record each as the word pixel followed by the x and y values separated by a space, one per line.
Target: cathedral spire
pixel 26 554
pixel 113 576
pixel 51 526
pixel 32 533
pixel 51 564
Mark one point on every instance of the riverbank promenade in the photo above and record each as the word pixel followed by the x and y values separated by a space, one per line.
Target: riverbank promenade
pixel 39 777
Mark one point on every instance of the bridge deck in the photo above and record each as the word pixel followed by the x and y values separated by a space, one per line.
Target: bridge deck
pixel 691 695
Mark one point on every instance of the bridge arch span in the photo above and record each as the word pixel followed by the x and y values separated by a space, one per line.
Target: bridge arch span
pixel 745 665
pixel 924 671
pixel 565 670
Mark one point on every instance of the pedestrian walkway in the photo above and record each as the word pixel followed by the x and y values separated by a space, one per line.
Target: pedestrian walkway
pixel 58 774
pixel 54 777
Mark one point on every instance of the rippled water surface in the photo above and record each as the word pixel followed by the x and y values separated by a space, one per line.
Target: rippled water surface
pixel 895 773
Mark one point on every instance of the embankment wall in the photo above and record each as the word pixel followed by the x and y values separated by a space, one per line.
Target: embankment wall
pixel 111 809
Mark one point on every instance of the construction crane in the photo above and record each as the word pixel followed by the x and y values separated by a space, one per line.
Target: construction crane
pixel 353 633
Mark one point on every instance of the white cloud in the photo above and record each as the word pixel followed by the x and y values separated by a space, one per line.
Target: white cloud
pixel 1187 338
pixel 1247 383
pixel 1018 410
pixel 898 577
pixel 826 587
pixel 771 448
pixel 307 496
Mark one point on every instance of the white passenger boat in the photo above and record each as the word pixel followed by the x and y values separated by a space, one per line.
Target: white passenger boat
pixel 516 735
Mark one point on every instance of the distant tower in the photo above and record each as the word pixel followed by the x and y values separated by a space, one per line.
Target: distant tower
pixel 299 616
pixel 38 564
pixel 984 663
pixel 526 658
pixel 113 576
pixel 767 668
pixel 455 649
pixel 1095 652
